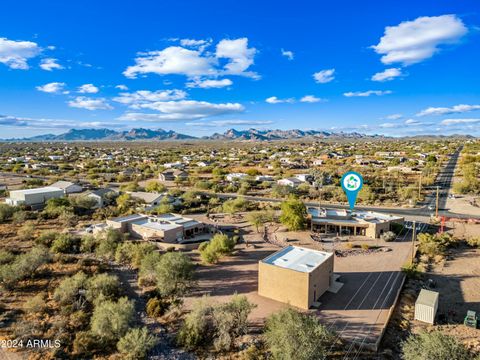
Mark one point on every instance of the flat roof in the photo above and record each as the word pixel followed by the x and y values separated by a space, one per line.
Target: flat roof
pixel 427 298
pixel 328 215
pixel 37 190
pixel 157 225
pixel 297 258
pixel 128 218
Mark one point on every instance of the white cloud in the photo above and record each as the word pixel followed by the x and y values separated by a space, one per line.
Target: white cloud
pixel 135 99
pixel 46 123
pixel 194 43
pixel 367 93
pixel 83 102
pixel 288 54
pixel 394 116
pixel 50 64
pixel 53 88
pixel 240 55
pixel 197 62
pixel 209 83
pixel 388 125
pixel 121 87
pixel 457 109
pixel 387 74
pixel 448 122
pixel 324 76
pixel 411 42
pixel 310 99
pixel 412 122
pixel 172 60
pixel 15 54
pixel 275 100
pixel 88 89
pixel 182 110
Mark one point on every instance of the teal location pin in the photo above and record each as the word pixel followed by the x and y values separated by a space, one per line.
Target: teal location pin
pixel 351 183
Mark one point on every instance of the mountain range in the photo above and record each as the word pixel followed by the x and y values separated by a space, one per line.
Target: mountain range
pixel 160 134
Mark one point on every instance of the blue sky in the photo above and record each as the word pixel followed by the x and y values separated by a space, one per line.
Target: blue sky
pixel 387 67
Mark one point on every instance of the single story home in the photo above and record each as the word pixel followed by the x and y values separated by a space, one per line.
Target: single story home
pixel 68 187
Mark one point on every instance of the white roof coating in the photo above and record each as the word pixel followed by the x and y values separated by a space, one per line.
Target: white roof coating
pixel 297 258
pixel 163 226
pixel 37 190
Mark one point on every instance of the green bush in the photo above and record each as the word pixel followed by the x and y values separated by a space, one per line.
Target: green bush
pixel 156 307
pixel 294 214
pixel 111 320
pixel 68 291
pixel 35 305
pixel 26 232
pixel 46 238
pixel 197 328
pixel 65 244
pixel 411 271
pixel 174 274
pixel 136 344
pixel 103 285
pixel 388 236
pixel 6 257
pixel 474 242
pixel 85 344
pixel 107 243
pixel 23 266
pixel 220 245
pixel 6 212
pixel 88 244
pixel 293 335
pixel 434 345
pixel 147 275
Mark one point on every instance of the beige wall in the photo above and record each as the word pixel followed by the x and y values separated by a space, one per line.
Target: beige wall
pixel 319 280
pixel 294 287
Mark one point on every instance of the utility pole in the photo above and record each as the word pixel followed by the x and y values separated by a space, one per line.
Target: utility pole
pixel 436 203
pixel 414 236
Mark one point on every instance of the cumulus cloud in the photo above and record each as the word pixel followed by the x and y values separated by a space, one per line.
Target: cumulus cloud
pixel 88 89
pixel 50 64
pixel 411 42
pixel 367 93
pixel 83 102
pixel 275 100
pixel 209 83
pixel 324 76
pixel 53 88
pixel 196 62
pixel 310 99
pixel 448 122
pixel 121 87
pixel 387 74
pixel 288 54
pixel 135 99
pixel 457 109
pixel 182 110
pixel 15 54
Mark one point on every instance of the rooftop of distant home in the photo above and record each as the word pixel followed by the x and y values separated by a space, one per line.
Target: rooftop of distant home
pixel 343 215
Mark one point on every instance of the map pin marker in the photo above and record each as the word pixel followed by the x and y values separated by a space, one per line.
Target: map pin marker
pixel 351 183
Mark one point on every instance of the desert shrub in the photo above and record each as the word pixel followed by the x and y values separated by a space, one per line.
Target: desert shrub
pixel 6 257
pixel 388 236
pixel 434 345
pixel 217 247
pixel 6 212
pixel 294 214
pixel 78 319
pixel 68 291
pixel 293 335
pixel 230 321
pixel 26 232
pixel 349 245
pixel 197 327
pixel 88 244
pixel 35 305
pixel 365 246
pixel 19 217
pixel 46 238
pixel 103 285
pixel 65 244
pixel 174 274
pixel 147 273
pixel 111 320
pixel 136 344
pixel 432 245
pixel 85 343
pixel 474 242
pixel 132 253
pixel 107 243
pixel 156 307
pixel 411 271
pixel 23 266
